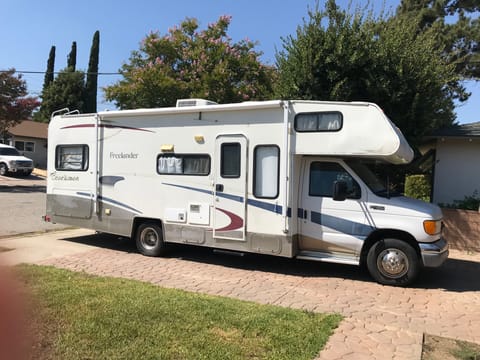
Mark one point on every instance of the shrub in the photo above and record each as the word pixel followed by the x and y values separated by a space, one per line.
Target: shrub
pixel 418 187
pixel 470 202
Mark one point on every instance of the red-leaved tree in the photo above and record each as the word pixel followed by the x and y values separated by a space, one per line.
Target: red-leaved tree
pixel 15 105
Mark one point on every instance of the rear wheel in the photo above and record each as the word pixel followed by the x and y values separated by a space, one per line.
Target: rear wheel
pixel 149 239
pixel 393 262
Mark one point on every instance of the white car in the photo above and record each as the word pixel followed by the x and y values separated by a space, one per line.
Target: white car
pixel 12 162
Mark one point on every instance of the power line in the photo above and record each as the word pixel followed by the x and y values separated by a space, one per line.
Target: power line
pixel 58 72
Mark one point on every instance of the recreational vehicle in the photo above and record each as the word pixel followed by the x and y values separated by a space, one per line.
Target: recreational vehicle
pixel 285 178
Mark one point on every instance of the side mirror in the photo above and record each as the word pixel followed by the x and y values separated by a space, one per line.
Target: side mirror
pixel 339 190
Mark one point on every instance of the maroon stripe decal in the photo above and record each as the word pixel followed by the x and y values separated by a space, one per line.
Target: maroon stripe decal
pixel 105 126
pixel 236 221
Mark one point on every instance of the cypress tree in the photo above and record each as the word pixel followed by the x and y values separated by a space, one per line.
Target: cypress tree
pixel 92 76
pixel 50 68
pixel 72 57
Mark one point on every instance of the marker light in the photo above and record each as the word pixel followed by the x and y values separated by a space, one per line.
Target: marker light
pixel 432 227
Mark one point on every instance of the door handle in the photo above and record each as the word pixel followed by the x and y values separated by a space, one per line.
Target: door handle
pixel 219 188
pixel 305 214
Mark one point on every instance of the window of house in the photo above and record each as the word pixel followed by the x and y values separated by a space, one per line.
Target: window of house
pixel 230 160
pixel 319 121
pixel 71 157
pixel 266 169
pixel 324 174
pixel 25 145
pixel 183 164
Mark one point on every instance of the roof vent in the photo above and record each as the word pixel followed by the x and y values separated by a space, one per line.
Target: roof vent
pixel 194 102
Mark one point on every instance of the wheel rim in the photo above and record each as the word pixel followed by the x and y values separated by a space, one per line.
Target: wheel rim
pixel 392 263
pixel 3 169
pixel 149 238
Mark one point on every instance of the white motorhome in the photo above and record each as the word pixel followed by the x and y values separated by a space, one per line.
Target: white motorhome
pixel 286 178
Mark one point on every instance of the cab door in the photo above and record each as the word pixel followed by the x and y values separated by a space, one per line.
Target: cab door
pixel 230 187
pixel 325 224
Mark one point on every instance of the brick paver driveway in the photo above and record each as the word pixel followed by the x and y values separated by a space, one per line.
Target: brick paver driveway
pixel 381 322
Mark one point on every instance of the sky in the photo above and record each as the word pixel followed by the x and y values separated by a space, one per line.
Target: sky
pixel 29 28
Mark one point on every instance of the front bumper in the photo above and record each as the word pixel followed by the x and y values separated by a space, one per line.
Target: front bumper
pixel 20 167
pixel 434 254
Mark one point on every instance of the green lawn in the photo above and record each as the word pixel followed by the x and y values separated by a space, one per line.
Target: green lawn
pixel 79 316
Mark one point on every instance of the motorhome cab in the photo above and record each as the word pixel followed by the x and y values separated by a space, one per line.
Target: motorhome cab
pixel 286 178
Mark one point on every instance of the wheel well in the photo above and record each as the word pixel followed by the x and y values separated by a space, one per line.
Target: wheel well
pixel 140 220
pixel 384 234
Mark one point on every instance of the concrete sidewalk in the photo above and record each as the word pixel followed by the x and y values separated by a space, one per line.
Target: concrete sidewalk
pixel 34 248
pixel 381 322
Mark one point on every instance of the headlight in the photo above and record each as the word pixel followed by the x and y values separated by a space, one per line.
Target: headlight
pixel 432 227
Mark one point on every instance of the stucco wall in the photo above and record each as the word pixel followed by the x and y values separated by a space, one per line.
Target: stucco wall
pixel 462 229
pixel 457 169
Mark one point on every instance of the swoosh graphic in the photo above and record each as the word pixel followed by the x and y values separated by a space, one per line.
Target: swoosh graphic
pixel 236 221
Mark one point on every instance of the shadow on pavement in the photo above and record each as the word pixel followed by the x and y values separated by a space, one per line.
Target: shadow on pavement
pixel 455 275
pixel 22 189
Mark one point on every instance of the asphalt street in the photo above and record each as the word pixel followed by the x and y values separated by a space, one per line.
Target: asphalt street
pixel 22 205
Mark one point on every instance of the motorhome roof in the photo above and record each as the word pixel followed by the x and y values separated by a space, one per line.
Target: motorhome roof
pixel 104 115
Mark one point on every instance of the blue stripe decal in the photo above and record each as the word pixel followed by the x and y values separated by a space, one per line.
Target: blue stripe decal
pixel 265 206
pixel 256 203
pixel 209 192
pixel 108 200
pixel 300 213
pixel 341 225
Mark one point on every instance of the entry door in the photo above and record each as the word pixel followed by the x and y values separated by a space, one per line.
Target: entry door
pixel 327 225
pixel 230 187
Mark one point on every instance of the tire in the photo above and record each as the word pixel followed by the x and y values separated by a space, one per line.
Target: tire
pixel 149 239
pixel 393 262
pixel 3 169
pixel 27 173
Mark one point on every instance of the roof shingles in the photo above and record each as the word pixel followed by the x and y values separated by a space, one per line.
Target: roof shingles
pixel 29 128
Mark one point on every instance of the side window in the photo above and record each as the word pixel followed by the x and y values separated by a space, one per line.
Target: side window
pixel 230 160
pixel 324 174
pixel 266 168
pixel 183 164
pixel 319 121
pixel 25 146
pixel 71 157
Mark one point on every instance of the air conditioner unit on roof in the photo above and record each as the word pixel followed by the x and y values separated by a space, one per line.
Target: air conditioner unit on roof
pixel 194 102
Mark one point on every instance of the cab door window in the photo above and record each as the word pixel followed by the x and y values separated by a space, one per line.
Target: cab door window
pixel 323 175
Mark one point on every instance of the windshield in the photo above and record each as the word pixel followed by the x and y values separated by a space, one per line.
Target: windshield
pixel 9 151
pixel 369 172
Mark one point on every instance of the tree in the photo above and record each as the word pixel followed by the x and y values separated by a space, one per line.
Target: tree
pixel 90 104
pixel 66 91
pixel 15 105
pixel 188 63
pixel 49 74
pixel 337 55
pixel 72 58
pixel 456 24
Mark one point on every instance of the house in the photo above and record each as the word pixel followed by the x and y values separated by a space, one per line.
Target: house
pixel 457 162
pixel 30 138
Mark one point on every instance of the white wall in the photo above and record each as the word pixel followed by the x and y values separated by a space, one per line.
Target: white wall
pixel 457 169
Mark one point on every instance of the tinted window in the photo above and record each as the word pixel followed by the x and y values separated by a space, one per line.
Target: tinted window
pixel 230 160
pixel 9 151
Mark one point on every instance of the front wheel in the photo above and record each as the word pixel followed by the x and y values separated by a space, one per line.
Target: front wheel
pixel 3 169
pixel 393 262
pixel 149 239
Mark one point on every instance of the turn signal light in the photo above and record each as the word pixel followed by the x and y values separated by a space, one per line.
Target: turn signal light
pixel 432 227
